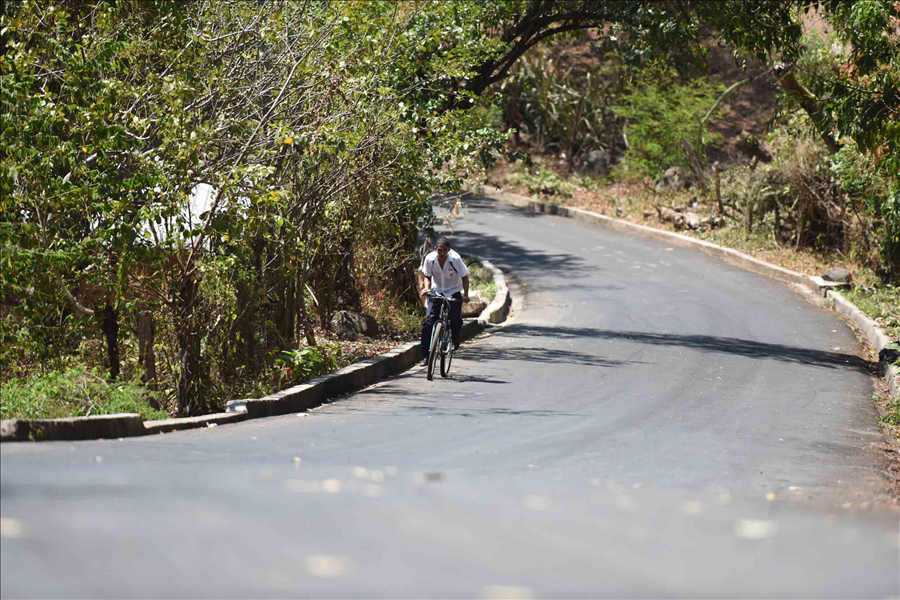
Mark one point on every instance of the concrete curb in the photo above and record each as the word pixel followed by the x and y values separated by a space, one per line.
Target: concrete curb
pixel 316 392
pixel 74 428
pixel 498 309
pixel 167 425
pixel 815 284
pixel 311 394
pixel 876 336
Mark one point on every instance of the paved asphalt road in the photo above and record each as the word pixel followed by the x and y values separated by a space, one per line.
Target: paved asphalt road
pixel 653 423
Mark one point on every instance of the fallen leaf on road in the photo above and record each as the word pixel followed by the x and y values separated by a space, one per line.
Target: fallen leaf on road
pixel 506 592
pixel 320 565
pixel 749 529
pixel 11 529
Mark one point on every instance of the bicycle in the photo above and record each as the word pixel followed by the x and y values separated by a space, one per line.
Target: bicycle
pixel 441 338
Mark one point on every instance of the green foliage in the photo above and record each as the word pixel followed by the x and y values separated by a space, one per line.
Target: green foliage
pixel 860 93
pixel 541 181
pixel 659 111
pixel 823 202
pixel 563 110
pixel 881 304
pixel 322 129
pixel 891 415
pixel 861 179
pixel 481 279
pixel 74 392
pixel 114 113
pixel 309 362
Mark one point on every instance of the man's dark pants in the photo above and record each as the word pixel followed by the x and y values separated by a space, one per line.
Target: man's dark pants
pixel 433 313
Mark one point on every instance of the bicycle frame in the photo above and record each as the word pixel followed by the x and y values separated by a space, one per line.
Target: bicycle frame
pixel 441 337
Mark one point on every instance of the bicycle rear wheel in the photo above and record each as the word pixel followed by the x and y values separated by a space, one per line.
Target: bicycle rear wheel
pixel 435 348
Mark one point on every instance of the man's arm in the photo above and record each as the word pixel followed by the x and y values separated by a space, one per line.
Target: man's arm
pixel 465 281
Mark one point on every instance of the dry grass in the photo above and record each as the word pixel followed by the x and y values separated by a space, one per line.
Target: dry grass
pixel 635 197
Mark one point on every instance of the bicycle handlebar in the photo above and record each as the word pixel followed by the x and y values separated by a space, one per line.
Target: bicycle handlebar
pixel 436 295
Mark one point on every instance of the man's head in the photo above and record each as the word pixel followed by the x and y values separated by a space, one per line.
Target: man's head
pixel 442 246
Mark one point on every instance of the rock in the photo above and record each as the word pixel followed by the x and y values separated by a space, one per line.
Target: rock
pixel 350 324
pixel 674 180
pixel 692 220
pixel 837 274
pixel 595 164
pixel 672 216
pixel 474 306
pixel 889 354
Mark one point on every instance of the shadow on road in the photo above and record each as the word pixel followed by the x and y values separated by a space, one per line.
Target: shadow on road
pixel 463 408
pixel 541 355
pixel 703 343
pixel 457 377
pixel 487 205
pixel 519 258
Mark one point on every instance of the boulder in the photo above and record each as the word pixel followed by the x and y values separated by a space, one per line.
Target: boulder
pixel 349 324
pixel 474 306
pixel 673 180
pixel 837 275
pixel 595 164
pixel 692 220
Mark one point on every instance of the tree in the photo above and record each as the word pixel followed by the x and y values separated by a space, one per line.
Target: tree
pixel 299 117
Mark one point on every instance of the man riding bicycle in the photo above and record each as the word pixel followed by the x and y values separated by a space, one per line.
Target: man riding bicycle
pixel 447 275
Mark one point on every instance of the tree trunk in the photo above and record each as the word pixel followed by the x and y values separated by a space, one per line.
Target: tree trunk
pixel 777 225
pixel 245 328
pixel 345 285
pixel 290 313
pixel 801 218
pixel 719 206
pixel 302 315
pixel 748 214
pixel 109 320
pixel 145 329
pixel 188 348
pixel 794 89
pixel 845 243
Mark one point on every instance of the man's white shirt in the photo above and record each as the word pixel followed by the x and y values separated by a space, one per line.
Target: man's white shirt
pixel 446 280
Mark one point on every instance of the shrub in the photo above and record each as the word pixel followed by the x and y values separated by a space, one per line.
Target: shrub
pixel 564 106
pixel 481 279
pixel 659 111
pixel 304 364
pixel 830 203
pixel 540 181
pixel 879 303
pixel 75 392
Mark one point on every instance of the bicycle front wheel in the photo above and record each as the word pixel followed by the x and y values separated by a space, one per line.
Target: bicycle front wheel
pixel 435 348
pixel 446 357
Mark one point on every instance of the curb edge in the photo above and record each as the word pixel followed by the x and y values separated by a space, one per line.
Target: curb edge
pixel 305 396
pixel 812 283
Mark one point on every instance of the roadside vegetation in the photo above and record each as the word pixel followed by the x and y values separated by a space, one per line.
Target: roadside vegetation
pixel 75 392
pixel 192 190
pixel 770 159
pixel 881 303
pixel 481 280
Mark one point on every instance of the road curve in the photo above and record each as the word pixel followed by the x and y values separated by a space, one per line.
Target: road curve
pixel 653 423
